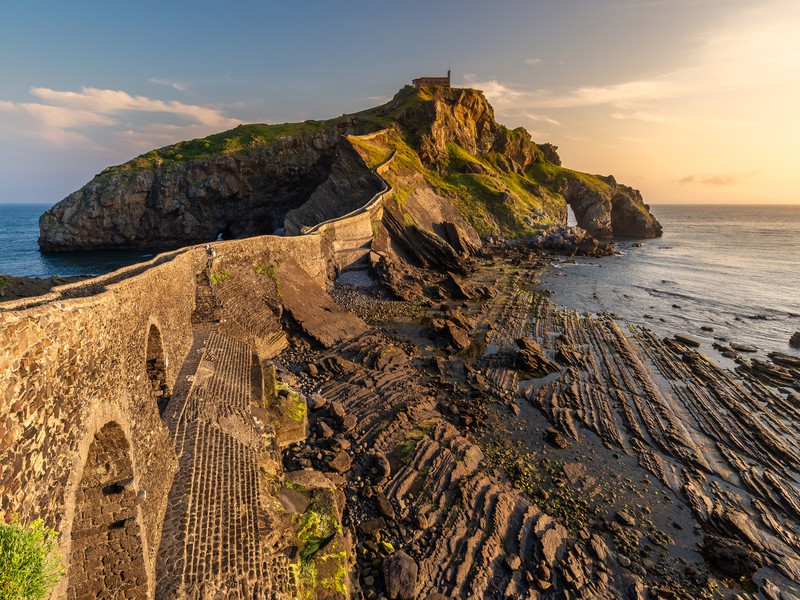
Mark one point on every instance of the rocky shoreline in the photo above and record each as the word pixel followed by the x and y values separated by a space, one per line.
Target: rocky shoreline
pixel 495 446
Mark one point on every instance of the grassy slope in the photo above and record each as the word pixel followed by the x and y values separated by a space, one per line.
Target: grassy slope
pixel 479 197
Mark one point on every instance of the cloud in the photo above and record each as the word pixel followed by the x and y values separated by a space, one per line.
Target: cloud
pixel 718 180
pixel 534 61
pixel 109 102
pixel 493 89
pixel 175 85
pixel 102 117
pixel 542 118
pixel 751 48
pixel 647 117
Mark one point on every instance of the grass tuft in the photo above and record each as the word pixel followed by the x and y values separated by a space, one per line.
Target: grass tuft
pixel 29 562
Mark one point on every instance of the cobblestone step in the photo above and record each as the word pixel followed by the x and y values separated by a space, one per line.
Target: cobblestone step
pixel 215 530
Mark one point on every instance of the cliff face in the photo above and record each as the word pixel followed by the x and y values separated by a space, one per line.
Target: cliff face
pixel 448 118
pixel 255 179
pixel 607 209
pixel 173 203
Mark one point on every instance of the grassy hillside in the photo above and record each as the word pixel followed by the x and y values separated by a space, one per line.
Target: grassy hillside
pixel 492 200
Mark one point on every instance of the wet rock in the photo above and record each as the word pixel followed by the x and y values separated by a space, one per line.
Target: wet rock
pixel 384 506
pixel 686 340
pixel 341 462
pixel 794 341
pixel 400 576
pixel 531 358
pixel 555 439
pixel 730 557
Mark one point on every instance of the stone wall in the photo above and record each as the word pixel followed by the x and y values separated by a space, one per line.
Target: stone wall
pixel 75 364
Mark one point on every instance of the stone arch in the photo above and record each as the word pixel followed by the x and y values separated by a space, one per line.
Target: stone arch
pixel 156 366
pixel 107 555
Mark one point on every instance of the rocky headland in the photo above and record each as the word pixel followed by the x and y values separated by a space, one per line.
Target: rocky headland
pixel 256 179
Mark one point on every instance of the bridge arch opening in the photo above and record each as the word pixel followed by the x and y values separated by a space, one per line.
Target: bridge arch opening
pixel 107 553
pixel 156 365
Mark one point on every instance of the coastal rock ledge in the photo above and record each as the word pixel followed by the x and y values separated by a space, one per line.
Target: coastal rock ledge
pixel 262 179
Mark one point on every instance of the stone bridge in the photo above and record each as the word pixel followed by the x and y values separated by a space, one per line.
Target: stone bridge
pixel 125 398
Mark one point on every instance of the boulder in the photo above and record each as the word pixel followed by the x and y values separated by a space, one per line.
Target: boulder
pixel 316 401
pixel 337 410
pixel 384 506
pixel 794 341
pixel 531 358
pixel 686 340
pixel 324 430
pixel 383 468
pixel 554 438
pixel 341 462
pixel 400 576
pixel 730 557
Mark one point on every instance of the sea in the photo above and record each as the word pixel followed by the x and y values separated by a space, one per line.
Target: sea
pixel 20 256
pixel 732 268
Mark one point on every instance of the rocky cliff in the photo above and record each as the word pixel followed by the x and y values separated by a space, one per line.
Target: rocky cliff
pixel 255 179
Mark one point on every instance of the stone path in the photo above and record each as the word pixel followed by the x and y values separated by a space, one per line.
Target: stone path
pixel 216 532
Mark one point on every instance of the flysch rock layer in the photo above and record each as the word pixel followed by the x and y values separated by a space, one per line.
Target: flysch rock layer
pixel 639 470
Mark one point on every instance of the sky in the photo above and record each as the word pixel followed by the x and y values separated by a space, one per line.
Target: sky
pixel 689 101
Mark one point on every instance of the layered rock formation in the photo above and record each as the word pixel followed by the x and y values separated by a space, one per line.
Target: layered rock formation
pixel 160 201
pixel 255 179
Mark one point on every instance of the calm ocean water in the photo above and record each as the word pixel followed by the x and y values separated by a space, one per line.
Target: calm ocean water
pixel 20 256
pixel 717 266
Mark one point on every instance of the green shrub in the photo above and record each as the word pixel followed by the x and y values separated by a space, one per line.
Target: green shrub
pixel 219 276
pixel 29 563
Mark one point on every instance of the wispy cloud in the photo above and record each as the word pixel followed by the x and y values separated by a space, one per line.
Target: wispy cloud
pixel 59 117
pixel 752 48
pixel 542 118
pixel 115 102
pixel 494 90
pixel 534 61
pixel 647 117
pixel 175 85
pixel 717 180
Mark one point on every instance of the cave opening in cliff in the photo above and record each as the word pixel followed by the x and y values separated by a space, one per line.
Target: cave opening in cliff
pixel 156 366
pixel 225 234
pixel 107 554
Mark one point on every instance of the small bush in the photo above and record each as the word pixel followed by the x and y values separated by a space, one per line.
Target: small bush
pixel 219 276
pixel 29 563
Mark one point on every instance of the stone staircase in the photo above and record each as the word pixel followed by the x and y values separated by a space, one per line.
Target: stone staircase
pixel 218 540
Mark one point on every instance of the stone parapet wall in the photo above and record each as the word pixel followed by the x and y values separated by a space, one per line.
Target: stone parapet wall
pixel 69 367
pixel 75 360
